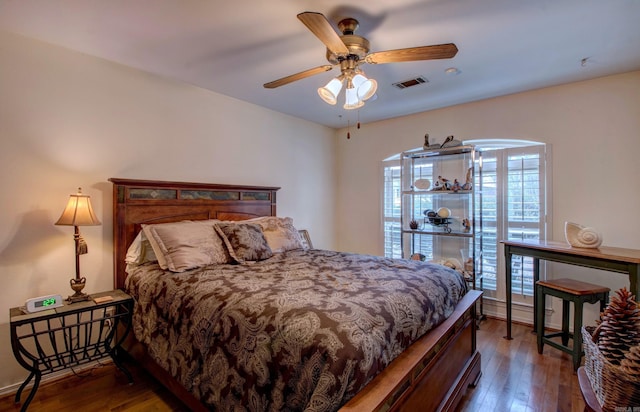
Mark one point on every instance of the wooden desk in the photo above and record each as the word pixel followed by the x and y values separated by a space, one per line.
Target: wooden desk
pixel 613 259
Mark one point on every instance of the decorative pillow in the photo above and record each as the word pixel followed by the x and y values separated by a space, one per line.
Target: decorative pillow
pixel 185 245
pixel 280 233
pixel 245 241
pixel 140 251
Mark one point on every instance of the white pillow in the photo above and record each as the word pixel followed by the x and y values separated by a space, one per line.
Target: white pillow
pixel 185 245
pixel 140 251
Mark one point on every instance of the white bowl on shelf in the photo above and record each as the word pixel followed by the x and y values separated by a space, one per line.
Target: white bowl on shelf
pixel 422 184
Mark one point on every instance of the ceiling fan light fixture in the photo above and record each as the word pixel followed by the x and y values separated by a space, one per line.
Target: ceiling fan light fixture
pixel 349 50
pixel 329 93
pixel 365 87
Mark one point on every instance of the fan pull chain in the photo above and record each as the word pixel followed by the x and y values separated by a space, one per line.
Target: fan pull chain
pixel 358 126
pixel 348 129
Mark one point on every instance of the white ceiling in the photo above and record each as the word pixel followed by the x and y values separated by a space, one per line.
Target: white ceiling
pixel 234 46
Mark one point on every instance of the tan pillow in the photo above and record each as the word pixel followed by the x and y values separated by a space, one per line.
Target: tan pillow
pixel 185 245
pixel 280 233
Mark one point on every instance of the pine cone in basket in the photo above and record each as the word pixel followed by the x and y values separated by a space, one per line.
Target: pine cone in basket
pixel 619 328
pixel 631 364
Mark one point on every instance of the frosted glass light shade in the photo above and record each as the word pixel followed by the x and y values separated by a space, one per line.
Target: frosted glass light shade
pixel 351 99
pixel 329 93
pixel 365 87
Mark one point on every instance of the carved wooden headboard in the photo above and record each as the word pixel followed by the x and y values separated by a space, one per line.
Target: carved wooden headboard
pixel 136 202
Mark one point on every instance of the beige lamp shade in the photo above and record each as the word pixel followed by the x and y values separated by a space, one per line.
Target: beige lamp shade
pixel 78 212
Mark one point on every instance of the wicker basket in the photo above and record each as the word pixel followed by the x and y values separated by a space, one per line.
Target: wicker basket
pixel 614 388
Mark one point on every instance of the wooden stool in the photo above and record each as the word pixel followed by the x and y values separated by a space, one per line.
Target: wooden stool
pixel 568 290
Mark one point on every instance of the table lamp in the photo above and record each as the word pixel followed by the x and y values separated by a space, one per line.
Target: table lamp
pixel 78 213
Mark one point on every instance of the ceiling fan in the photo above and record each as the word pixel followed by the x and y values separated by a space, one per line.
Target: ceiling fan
pixel 350 51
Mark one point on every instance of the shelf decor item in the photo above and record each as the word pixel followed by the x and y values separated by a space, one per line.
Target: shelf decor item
pixel 582 236
pixel 422 184
pixel 466 224
pixel 612 354
pixel 78 212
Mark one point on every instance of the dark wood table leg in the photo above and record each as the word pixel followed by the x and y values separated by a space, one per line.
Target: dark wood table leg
pixel 507 253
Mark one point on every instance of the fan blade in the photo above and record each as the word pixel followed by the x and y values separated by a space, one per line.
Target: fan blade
pixel 320 26
pixel 298 76
pixel 437 51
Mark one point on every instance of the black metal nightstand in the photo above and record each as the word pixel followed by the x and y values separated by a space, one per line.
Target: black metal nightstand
pixel 74 334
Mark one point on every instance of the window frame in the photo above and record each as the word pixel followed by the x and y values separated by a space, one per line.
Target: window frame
pixel 505 227
pixel 391 248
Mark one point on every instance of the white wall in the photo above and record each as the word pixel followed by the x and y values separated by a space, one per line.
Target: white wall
pixel 593 128
pixel 69 120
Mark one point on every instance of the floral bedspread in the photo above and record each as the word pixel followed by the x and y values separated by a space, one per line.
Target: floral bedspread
pixel 304 330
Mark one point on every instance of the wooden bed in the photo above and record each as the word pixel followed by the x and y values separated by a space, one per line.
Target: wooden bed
pixel 432 374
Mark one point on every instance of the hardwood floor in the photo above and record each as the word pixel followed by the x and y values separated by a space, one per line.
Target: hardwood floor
pixel 101 389
pixel 514 378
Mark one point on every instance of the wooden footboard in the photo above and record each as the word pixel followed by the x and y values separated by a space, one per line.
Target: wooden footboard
pixel 431 375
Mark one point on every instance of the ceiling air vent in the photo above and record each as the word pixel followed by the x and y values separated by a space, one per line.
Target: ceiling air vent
pixel 411 82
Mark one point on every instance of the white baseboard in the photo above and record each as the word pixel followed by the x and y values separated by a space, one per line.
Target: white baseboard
pixel 520 313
